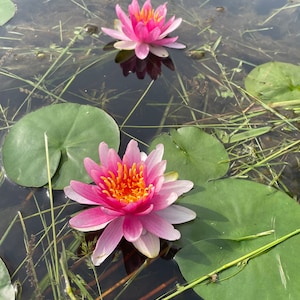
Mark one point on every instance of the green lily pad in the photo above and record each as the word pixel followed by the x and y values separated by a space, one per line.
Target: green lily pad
pixel 7 291
pixel 7 11
pixel 230 212
pixel 194 154
pixel 73 131
pixel 274 82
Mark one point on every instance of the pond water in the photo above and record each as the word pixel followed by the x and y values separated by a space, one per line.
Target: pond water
pixel 45 60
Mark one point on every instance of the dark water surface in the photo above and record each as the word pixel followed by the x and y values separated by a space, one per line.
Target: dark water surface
pixel 222 37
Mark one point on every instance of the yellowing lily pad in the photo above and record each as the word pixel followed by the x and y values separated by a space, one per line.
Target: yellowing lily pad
pixel 274 82
pixel 73 131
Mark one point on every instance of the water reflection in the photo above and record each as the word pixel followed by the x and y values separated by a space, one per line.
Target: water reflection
pixel 152 65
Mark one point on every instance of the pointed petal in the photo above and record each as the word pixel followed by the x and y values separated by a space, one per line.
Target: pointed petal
pixel 118 35
pixel 173 25
pixel 148 244
pixel 159 227
pixel 91 219
pixel 108 241
pixel 132 153
pixel 156 171
pixel 84 190
pixel 132 228
pixel 162 201
pixel 177 214
pixel 103 151
pixel 176 46
pixel 179 187
pixel 154 157
pixel 70 193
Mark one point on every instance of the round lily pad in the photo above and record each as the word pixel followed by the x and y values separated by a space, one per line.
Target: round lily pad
pixel 274 81
pixel 73 132
pixel 194 154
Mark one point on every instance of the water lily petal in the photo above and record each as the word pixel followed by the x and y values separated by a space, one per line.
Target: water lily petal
pixel 91 219
pixel 70 193
pixel 86 191
pixel 123 17
pixel 154 157
pixel 108 241
pixel 132 228
pixel 103 152
pixel 148 244
pixel 125 45
pixel 132 153
pixel 159 227
pixel 176 45
pixel 159 51
pixel 177 214
pixel 118 35
pixel 170 26
pixel 162 201
pixel 142 50
pixel 156 171
pixel 179 187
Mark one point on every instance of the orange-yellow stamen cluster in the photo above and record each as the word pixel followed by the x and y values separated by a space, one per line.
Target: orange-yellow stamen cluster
pixel 146 15
pixel 128 185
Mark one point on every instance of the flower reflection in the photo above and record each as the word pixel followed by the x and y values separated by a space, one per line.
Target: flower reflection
pixel 152 65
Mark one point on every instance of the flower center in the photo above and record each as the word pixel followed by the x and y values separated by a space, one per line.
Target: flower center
pixel 146 14
pixel 128 185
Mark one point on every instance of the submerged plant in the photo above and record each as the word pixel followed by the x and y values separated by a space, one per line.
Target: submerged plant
pixel 133 198
pixel 145 30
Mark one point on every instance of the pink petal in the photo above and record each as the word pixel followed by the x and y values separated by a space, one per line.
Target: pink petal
pixel 179 187
pixel 91 219
pixel 132 228
pixel 176 46
pixel 123 17
pixel 148 244
pixel 174 25
pixel 89 164
pixel 159 227
pixel 70 193
pixel 86 191
pixel 177 214
pixel 162 200
pixel 154 157
pixel 141 32
pixel 118 35
pixel 103 151
pixel 156 171
pixel 132 153
pixel 108 241
pixel 142 50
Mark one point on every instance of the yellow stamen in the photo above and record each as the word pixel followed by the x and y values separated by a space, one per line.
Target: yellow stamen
pixel 128 185
pixel 146 15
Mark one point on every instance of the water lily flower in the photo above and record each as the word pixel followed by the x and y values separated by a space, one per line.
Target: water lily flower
pixel 131 198
pixel 145 30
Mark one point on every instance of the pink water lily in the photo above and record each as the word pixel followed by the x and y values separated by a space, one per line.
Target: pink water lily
pixel 145 30
pixel 131 198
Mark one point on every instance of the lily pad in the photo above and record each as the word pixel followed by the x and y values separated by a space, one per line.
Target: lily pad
pixel 274 82
pixel 230 214
pixel 7 11
pixel 7 291
pixel 194 154
pixel 73 131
